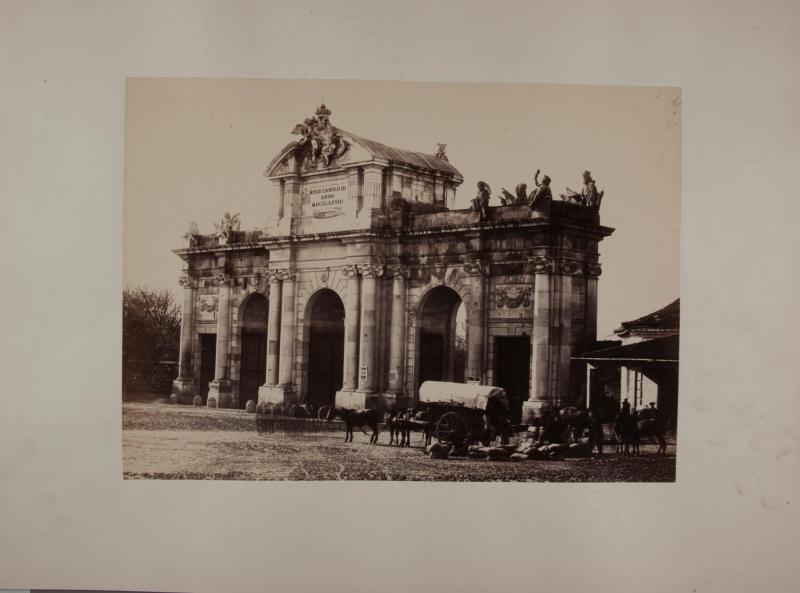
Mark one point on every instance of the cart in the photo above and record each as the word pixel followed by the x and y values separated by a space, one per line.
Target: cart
pixel 457 413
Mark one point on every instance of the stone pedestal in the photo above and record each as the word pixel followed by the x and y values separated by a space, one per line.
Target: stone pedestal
pixel 183 390
pixel 220 394
pixel 362 400
pixel 276 394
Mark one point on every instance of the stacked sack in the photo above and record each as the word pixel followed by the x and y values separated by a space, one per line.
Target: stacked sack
pixel 437 450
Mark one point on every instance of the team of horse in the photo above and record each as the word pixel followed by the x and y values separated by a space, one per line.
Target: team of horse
pixel 558 425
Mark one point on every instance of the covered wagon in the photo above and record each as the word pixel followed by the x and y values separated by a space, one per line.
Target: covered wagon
pixel 458 413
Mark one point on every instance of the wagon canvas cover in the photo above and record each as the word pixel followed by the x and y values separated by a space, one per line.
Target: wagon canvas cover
pixel 471 396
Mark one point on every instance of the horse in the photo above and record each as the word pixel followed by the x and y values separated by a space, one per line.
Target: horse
pixel 399 427
pixel 651 425
pixel 359 418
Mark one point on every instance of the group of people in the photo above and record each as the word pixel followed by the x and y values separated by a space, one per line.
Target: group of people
pixel 539 197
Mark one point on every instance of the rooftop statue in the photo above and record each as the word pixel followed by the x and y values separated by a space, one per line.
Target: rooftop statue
pixel 192 233
pixel 509 199
pixel 440 152
pixel 227 227
pixel 542 195
pixel 480 203
pixel 539 195
pixel 319 141
pixel 589 195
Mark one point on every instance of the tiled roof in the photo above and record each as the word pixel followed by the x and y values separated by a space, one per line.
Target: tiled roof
pixel 656 350
pixel 667 318
pixel 407 157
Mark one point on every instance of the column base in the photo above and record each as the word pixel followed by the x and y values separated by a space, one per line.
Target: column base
pixel 532 409
pixel 183 390
pixel 397 399
pixel 220 394
pixel 276 394
pixel 361 400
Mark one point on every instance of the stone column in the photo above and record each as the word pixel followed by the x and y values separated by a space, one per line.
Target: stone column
pixel 219 390
pixel 540 340
pixel 351 320
pixel 183 386
pixel 593 272
pixel 476 333
pixel 273 328
pixel 286 366
pixel 397 334
pixel 369 326
pixel 562 322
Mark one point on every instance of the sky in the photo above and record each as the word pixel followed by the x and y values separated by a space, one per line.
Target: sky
pixel 195 148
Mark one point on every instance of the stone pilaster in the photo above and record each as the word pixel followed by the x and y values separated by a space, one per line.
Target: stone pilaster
pixel 219 390
pixel 267 391
pixel 593 272
pixel 476 331
pixel 397 333
pixel 353 191
pixel 368 345
pixel 373 188
pixel 183 386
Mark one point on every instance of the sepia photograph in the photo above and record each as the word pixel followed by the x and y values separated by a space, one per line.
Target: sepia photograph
pixel 352 280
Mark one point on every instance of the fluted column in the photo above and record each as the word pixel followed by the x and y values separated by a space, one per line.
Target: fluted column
pixel 183 386
pixel 219 393
pixel 397 339
pixel 286 366
pixel 351 320
pixel 369 326
pixel 476 320
pixel 273 329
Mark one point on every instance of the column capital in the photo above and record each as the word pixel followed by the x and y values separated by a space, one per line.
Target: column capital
pixel 371 270
pixel 350 271
pixel 474 267
pixel 398 271
pixel 593 270
pixel 187 281
pixel 540 264
pixel 273 277
pixel 223 280
pixel 568 265
pixel 286 274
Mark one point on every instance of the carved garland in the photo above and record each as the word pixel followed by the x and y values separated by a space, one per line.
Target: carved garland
pixel 512 298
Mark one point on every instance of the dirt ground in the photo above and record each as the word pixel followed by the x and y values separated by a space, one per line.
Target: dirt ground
pixel 163 441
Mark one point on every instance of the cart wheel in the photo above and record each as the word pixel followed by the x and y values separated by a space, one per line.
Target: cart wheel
pixel 451 427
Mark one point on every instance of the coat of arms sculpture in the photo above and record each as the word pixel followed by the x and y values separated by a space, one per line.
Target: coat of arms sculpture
pixel 320 143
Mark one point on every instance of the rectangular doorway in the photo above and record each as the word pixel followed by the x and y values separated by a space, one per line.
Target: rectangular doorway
pixel 512 356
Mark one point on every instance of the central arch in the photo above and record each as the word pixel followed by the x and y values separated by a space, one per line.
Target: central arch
pixel 325 347
pixel 441 339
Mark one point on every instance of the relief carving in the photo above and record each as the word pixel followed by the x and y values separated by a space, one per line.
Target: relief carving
pixel 512 297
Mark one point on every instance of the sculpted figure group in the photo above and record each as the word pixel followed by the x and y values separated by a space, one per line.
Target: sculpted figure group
pixel 319 139
pixel 539 197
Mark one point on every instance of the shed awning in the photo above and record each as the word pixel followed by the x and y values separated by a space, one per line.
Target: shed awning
pixel 659 350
